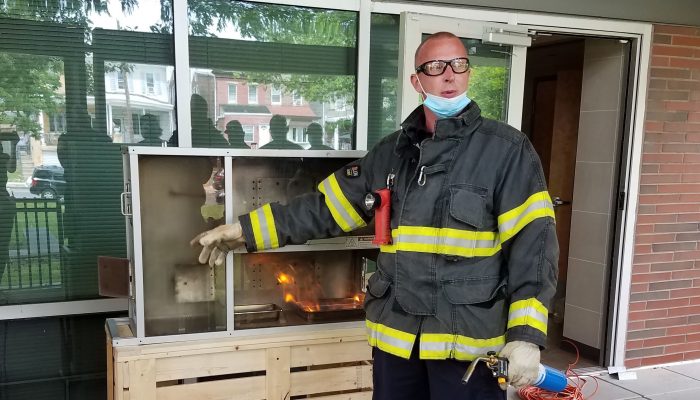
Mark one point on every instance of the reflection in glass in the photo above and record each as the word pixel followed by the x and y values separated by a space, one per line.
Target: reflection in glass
pixel 64 67
pixel 488 84
pixel 383 70
pixel 180 200
pixel 134 91
pixel 251 61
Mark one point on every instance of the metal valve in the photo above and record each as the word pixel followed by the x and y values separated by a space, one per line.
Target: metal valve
pixel 497 365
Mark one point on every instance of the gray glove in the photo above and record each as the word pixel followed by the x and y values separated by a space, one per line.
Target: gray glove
pixel 523 362
pixel 216 243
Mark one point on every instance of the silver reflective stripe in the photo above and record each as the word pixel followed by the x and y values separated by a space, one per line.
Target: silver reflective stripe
pixel 529 312
pixel 264 229
pixel 436 346
pixel 459 347
pixel 468 243
pixel 446 240
pixel 342 212
pixel 476 351
pixel 538 205
pixel 389 340
pixel 421 239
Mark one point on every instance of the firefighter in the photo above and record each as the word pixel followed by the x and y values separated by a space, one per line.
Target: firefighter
pixel 472 263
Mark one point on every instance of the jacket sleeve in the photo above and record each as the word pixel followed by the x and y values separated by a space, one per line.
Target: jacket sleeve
pixel 529 243
pixel 330 211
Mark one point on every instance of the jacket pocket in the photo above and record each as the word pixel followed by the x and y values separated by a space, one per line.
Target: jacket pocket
pixel 468 206
pixel 378 285
pixel 474 290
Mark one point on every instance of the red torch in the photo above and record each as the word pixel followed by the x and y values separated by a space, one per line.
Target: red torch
pixel 380 201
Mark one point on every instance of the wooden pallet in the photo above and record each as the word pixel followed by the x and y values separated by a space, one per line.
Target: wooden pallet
pixel 323 365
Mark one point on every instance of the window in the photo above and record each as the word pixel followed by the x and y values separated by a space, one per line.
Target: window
pixel 299 135
pixel 251 42
pixel 249 130
pixel 275 96
pixel 232 93
pixel 120 80
pixel 252 93
pixel 297 99
pixel 150 83
pixel 383 72
pixel 52 244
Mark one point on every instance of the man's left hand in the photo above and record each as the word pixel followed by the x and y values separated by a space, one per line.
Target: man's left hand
pixel 523 362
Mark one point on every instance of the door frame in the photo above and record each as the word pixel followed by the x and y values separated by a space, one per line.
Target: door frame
pixel 414 25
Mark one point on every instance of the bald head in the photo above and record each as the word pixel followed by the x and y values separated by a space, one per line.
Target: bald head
pixel 420 56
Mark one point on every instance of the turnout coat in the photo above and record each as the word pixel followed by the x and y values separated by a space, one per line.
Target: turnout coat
pixel 473 259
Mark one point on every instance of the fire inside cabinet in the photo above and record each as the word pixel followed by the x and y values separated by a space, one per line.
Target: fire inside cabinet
pixel 173 194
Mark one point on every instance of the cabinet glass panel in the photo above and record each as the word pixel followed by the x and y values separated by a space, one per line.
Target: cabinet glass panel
pixel 180 196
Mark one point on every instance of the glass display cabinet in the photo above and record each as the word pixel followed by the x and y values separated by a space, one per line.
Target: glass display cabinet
pixel 172 194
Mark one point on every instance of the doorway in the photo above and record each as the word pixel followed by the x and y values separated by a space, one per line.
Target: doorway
pixel 574 93
pixel 573 112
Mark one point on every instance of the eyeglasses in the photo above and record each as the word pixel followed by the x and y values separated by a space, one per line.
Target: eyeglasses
pixel 459 65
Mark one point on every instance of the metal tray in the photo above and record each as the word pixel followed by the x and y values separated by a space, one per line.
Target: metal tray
pixel 330 310
pixel 251 313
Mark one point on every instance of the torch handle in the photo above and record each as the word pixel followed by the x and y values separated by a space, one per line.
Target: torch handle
pixel 382 218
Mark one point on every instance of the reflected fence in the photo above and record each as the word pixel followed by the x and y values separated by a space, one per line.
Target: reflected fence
pixel 36 246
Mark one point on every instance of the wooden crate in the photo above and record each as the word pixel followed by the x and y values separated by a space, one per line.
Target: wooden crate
pixel 323 365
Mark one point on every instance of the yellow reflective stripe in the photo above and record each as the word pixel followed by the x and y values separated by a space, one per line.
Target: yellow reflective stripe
pixel 257 231
pixel 523 214
pixel 353 220
pixel 530 312
pixel 390 340
pixel 441 346
pixel 444 232
pixel 274 241
pixel 422 239
pixel 445 249
pixel 529 303
pixel 387 248
pixel 539 325
pixel 262 222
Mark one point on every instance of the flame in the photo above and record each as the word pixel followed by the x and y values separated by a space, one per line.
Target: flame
pixel 310 306
pixel 356 298
pixel 289 298
pixel 283 278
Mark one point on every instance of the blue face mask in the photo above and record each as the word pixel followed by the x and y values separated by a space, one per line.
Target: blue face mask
pixel 444 107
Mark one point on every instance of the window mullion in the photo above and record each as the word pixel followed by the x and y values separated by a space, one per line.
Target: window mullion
pixel 183 88
pixel 362 84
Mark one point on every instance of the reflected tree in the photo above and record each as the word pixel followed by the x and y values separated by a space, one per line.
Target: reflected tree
pixel 488 87
pixel 28 86
pixel 124 69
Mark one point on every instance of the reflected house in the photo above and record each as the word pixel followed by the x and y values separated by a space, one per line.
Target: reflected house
pixel 339 114
pixel 133 90
pixel 254 104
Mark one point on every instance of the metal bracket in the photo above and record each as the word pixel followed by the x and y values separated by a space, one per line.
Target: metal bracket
pixel 126 204
pixel 511 36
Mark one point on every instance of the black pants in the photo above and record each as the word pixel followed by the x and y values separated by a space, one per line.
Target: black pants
pixel 396 378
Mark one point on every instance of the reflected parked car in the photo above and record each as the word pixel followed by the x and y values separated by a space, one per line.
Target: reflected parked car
pixel 48 182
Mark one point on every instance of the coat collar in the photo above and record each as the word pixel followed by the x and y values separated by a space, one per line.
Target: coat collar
pixel 413 127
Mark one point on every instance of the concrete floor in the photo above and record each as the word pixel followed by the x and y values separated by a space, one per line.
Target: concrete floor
pixel 673 382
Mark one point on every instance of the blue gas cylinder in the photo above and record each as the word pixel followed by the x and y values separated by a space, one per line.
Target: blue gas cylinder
pixel 550 379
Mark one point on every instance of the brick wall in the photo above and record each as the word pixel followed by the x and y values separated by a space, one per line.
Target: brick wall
pixel 664 315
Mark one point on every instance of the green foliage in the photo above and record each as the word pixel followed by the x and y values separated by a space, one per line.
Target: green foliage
pixel 273 23
pixel 64 12
pixel 488 87
pixel 28 85
pixel 283 24
pixel 210 18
